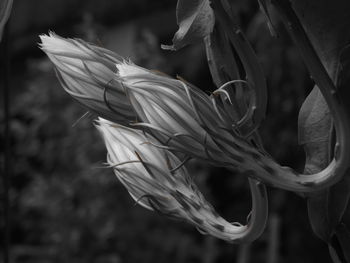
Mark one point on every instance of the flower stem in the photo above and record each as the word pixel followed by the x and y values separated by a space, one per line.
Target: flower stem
pixel 259 213
pixel 318 72
pixel 254 72
pixel 7 167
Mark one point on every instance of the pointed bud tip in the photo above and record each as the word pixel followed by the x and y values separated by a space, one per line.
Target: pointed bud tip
pixel 126 69
pixel 46 38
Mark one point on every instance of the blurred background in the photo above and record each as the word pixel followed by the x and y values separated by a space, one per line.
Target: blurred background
pixel 66 208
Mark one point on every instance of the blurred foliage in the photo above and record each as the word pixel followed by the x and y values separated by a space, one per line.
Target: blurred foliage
pixel 66 208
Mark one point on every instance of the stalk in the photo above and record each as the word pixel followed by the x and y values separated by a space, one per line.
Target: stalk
pixel 7 152
pixel 263 167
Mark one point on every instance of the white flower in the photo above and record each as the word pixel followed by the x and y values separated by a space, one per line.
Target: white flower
pixel 179 114
pixel 184 119
pixel 87 73
pixel 156 179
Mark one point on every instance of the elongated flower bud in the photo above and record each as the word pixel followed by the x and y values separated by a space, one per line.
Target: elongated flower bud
pixel 156 179
pixel 87 73
pixel 180 115
pixel 187 120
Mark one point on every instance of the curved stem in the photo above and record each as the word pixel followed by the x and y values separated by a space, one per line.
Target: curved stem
pixel 259 165
pixel 326 85
pixel 259 213
pixel 255 75
pixel 223 68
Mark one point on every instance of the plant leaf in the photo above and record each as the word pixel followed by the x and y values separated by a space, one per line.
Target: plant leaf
pixel 314 131
pixel 340 244
pixel 317 209
pixel 327 26
pixel 264 8
pixel 195 19
pixel 325 208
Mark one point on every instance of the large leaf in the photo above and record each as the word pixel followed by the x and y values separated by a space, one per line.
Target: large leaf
pixel 327 27
pixel 327 24
pixel 314 131
pixel 326 208
pixel 195 19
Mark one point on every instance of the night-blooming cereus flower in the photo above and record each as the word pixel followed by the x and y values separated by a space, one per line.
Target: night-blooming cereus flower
pixel 87 73
pixel 157 180
pixel 180 115
pixel 186 120
pixel 183 118
pixel 5 11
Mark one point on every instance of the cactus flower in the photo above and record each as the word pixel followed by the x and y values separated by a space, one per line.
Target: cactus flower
pixel 179 114
pixel 87 73
pixel 156 179
pixel 183 118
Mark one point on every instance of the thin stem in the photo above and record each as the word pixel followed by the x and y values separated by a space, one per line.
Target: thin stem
pixel 259 165
pixel 257 221
pixel 223 68
pixel 274 239
pixel 7 152
pixel 243 255
pixel 255 75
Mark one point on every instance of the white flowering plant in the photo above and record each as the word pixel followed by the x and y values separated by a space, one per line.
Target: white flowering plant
pixel 152 124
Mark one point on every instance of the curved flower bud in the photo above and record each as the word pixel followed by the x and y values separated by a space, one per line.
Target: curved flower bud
pixel 87 73
pixel 180 115
pixel 187 120
pixel 183 118
pixel 156 179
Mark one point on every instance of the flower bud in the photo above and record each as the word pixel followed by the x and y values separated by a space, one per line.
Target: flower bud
pixel 179 114
pixel 183 118
pixel 87 73
pixel 156 179
pixel 186 120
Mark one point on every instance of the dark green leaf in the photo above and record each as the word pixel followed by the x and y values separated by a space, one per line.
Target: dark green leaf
pixel 314 131
pixel 264 8
pixel 326 208
pixel 334 255
pixel 318 215
pixel 340 244
pixel 338 198
pixel 327 25
pixel 195 19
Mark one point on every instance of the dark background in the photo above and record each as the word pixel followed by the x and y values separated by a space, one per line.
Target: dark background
pixel 66 208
